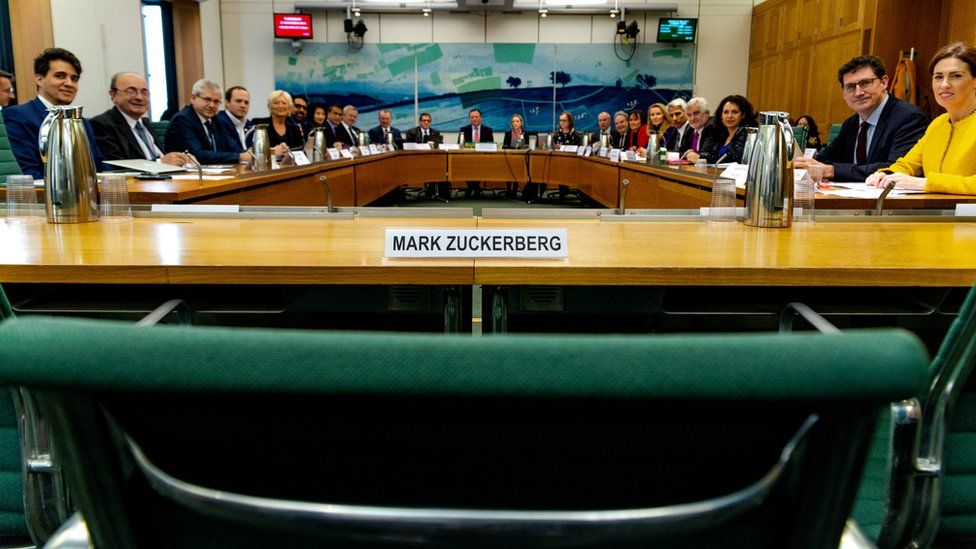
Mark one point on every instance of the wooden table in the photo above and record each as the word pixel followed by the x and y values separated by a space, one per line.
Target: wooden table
pixel 362 181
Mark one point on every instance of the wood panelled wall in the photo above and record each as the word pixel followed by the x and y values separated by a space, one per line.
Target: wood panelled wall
pixel 30 33
pixel 798 45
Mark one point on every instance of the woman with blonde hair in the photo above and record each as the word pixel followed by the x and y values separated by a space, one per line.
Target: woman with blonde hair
pixel 284 132
pixel 657 121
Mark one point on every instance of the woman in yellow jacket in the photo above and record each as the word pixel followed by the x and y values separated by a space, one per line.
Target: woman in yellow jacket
pixel 944 160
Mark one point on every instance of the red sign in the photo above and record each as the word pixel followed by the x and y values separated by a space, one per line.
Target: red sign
pixel 293 25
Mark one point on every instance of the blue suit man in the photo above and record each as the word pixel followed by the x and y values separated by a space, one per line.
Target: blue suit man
pixel 56 73
pixel 378 134
pixel 196 129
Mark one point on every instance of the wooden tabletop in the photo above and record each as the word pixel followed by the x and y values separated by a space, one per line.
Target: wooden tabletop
pixel 350 251
pixel 698 253
pixel 221 251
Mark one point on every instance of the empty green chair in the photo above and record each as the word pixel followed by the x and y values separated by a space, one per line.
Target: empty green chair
pixel 834 131
pixel 800 137
pixel 918 485
pixel 8 164
pixel 176 437
pixel 159 128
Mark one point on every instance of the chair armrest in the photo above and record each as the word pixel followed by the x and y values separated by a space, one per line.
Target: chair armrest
pixel 790 313
pixel 854 538
pixel 73 534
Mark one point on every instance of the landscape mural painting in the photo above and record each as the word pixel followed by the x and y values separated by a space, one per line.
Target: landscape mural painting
pixel 537 81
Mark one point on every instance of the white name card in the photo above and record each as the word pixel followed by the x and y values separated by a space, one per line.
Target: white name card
pixel 300 158
pixel 673 157
pixel 364 151
pixel 738 172
pixel 615 155
pixel 374 149
pixel 486 147
pixel 568 148
pixel 967 210
pixel 450 147
pixel 484 243
pixel 333 154
pixel 346 153
pixel 630 156
pixel 196 208
pixel 416 146
pixel 604 152
pixel 587 151
pixel 809 152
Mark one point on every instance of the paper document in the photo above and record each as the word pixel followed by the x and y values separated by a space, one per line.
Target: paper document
pixel 194 177
pixel 862 190
pixel 143 165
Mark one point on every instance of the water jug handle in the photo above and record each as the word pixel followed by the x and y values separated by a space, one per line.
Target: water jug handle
pixel 788 135
pixel 45 130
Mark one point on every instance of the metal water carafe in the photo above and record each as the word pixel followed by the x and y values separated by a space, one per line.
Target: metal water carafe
pixel 363 139
pixel 604 141
pixel 769 183
pixel 652 146
pixel 391 145
pixel 585 142
pixel 70 180
pixel 751 134
pixel 315 145
pixel 261 148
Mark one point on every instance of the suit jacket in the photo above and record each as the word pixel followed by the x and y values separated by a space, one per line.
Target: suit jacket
pixel 712 140
pixel 595 138
pixel 507 140
pixel 228 125
pixel 486 135
pixel 376 136
pixel 186 133
pixel 23 123
pixel 413 135
pixel 673 144
pixel 900 126
pixel 115 138
pixel 342 135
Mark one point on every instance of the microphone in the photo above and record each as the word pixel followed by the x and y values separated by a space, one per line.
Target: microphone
pixel 720 159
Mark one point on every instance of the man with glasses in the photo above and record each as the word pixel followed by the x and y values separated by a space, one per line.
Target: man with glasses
pixel 123 132
pixel 423 133
pixel 881 131
pixel 7 95
pixel 195 129
pixel 56 74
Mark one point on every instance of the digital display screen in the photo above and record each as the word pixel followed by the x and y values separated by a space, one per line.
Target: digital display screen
pixel 676 30
pixel 293 25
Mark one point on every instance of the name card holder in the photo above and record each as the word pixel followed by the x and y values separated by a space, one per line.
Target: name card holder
pixel 300 158
pixel 585 151
pixel 346 153
pixel 449 147
pixel 604 152
pixel 568 148
pixel 482 243
pixel 615 155
pixel 364 151
pixel 334 154
pixel 416 146
pixel 374 149
pixel 486 147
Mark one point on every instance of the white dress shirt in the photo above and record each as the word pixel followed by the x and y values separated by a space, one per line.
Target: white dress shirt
pixel 239 127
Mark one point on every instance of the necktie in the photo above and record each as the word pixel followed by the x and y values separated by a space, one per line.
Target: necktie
pixel 861 151
pixel 477 135
pixel 210 136
pixel 144 136
pixel 423 135
pixel 352 135
pixel 694 141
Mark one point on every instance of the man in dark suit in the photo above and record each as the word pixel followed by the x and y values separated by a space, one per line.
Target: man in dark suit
pixel 333 120
pixel 123 132
pixel 379 133
pixel 475 132
pixel 346 132
pixel 604 127
pixel 194 129
pixel 234 120
pixel 880 132
pixel 56 73
pixel 7 95
pixel 423 133
pixel 301 113
pixel 618 135
pixel 699 127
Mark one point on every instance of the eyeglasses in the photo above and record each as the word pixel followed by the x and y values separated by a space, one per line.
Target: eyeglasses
pixel 132 92
pixel 865 84
pixel 209 101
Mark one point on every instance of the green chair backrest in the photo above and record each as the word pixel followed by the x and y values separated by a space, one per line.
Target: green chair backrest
pixel 834 130
pixel 8 164
pixel 13 522
pixel 800 135
pixel 420 421
pixel 159 128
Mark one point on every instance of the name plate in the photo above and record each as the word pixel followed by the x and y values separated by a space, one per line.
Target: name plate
pixel 737 172
pixel 486 147
pixel 585 151
pixel 374 149
pixel 615 155
pixel 364 151
pixel 604 152
pixel 450 147
pixel 483 243
pixel 346 153
pixel 416 146
pixel 334 154
pixel 196 208
pixel 568 148
pixel 300 158
pixel 966 210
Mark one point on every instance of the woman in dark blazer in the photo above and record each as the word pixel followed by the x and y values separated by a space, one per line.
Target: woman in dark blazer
pixel 283 132
pixel 727 140
pixel 516 138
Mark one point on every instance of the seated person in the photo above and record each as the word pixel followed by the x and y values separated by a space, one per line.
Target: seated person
pixel 333 121
pixel 475 132
pixel 658 123
pixel 604 124
pixel 379 133
pixel 690 136
pixel 621 130
pixel 677 133
pixel 727 141
pixel 944 159
pixel 882 129
pixel 813 132
pixel 319 113
pixel 234 116
pixel 423 133
pixel 637 134
pixel 517 138
pixel 56 73
pixel 284 133
pixel 123 132
pixel 194 129
pixel 346 132
pixel 300 114
pixel 566 134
